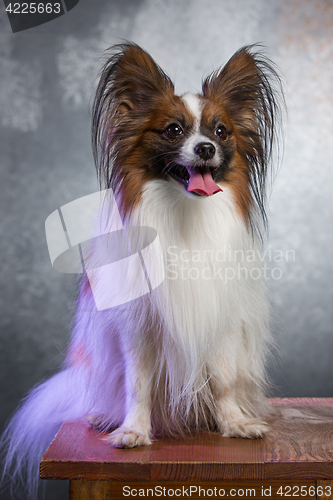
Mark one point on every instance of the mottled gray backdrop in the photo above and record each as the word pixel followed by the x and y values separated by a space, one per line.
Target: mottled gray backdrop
pixel 47 80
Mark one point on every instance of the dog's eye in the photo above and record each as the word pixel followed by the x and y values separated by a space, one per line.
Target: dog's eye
pixel 173 131
pixel 221 132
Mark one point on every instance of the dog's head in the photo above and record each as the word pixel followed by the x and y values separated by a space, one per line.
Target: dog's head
pixel 224 136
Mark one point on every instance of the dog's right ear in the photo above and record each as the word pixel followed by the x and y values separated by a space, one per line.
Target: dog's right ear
pixel 131 81
pixel 129 89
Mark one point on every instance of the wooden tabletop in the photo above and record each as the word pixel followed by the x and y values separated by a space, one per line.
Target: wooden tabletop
pixel 299 446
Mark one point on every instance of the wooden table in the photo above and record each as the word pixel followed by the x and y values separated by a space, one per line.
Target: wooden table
pixel 294 460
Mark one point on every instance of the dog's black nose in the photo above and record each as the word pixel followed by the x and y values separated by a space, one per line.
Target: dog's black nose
pixel 205 150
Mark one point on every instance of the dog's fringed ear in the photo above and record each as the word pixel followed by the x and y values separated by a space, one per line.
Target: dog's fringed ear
pixel 129 87
pixel 130 78
pixel 250 90
pixel 134 79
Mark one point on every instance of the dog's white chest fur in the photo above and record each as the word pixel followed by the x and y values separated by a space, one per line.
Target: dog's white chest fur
pixel 208 317
pixel 208 256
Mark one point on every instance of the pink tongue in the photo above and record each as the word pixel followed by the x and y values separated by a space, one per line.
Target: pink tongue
pixel 202 183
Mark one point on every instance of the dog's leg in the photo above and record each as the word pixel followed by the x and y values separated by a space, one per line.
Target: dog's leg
pixel 232 420
pixel 136 428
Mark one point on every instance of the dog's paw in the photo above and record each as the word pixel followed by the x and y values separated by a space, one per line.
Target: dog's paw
pixel 95 420
pixel 125 437
pixel 251 428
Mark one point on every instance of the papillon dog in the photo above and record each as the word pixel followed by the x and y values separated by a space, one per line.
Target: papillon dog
pixel 189 354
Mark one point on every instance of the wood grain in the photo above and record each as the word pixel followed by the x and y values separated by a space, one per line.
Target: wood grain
pixel 299 446
pixel 300 440
pixel 88 490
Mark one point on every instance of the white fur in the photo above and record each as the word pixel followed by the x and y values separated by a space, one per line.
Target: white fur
pixel 188 355
pixel 193 349
pixel 187 155
pixel 193 104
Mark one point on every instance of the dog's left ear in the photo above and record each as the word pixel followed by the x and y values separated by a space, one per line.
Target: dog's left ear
pixel 247 87
pixel 250 90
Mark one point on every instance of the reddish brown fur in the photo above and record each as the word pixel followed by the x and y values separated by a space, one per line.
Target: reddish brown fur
pixel 238 176
pixel 135 101
pixel 135 168
pixel 238 181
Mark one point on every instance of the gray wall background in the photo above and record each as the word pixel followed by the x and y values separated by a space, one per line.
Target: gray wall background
pixel 47 80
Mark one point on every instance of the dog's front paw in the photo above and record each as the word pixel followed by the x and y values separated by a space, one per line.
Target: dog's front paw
pixel 125 437
pixel 251 428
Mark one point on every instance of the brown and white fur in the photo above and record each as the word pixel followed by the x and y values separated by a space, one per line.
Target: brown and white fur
pixel 190 354
pixel 194 348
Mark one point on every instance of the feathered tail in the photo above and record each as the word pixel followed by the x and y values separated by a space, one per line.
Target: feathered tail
pixel 90 384
pixel 33 427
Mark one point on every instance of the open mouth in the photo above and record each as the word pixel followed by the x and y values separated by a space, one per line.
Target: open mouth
pixel 197 180
pixel 180 174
